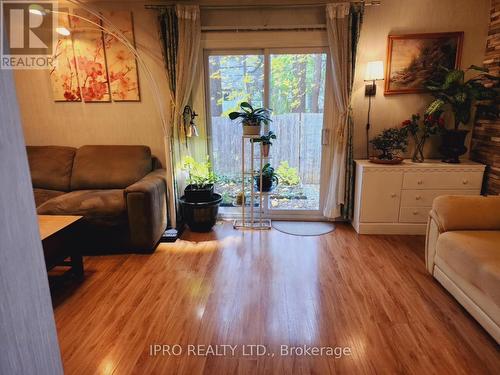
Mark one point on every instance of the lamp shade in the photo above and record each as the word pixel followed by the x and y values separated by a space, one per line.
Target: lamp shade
pixel 374 71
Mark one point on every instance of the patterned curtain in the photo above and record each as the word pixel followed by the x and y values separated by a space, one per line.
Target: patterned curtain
pixel 169 33
pixel 355 21
pixel 180 35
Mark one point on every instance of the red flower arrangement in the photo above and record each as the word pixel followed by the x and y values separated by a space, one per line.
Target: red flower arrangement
pixel 420 131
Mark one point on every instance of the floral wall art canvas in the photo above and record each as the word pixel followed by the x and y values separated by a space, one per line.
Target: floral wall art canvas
pixel 121 63
pixel 64 76
pixel 88 46
pixel 413 59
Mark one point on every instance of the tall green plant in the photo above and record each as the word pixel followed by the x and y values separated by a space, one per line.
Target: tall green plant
pixel 460 95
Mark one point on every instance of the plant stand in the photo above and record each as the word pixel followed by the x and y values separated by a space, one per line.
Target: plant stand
pixel 250 220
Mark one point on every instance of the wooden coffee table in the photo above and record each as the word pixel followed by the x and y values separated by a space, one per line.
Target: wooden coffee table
pixel 60 241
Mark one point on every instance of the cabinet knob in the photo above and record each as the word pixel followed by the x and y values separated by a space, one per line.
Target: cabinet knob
pixel 465 182
pixel 393 195
pixel 418 197
pixel 415 212
pixel 420 182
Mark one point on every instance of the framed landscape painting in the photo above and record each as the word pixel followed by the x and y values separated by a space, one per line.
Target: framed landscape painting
pixel 415 58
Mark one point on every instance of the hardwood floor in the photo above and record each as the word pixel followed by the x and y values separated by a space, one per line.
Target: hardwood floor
pixel 371 294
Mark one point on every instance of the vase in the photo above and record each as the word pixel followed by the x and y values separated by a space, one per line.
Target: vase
pixel 418 152
pixel 452 145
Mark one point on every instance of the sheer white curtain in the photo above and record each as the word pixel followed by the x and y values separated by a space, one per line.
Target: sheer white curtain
pixel 338 32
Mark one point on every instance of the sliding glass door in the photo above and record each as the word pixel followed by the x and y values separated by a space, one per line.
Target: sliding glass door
pixel 297 96
pixel 292 83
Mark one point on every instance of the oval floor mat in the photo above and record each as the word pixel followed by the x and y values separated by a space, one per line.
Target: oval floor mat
pixel 304 228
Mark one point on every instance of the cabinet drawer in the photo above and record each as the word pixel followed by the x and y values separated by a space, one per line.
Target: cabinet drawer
pixel 414 214
pixel 443 180
pixel 424 198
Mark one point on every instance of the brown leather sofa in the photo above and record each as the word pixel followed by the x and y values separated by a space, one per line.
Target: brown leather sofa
pixel 119 190
pixel 463 254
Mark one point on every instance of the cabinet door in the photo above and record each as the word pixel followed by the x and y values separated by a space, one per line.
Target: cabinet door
pixel 380 197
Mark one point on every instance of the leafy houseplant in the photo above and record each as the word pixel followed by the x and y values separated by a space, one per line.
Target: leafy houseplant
pixel 421 131
pixel 200 205
pixel 265 140
pixel 251 118
pixel 453 91
pixel 269 177
pixel 389 142
pixel 200 180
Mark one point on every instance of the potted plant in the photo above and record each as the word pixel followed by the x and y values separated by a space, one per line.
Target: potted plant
pixel 420 131
pixel 269 179
pixel 200 180
pixel 200 205
pixel 251 118
pixel 266 143
pixel 452 91
pixel 389 142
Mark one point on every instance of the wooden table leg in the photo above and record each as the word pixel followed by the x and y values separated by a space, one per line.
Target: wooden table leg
pixel 77 266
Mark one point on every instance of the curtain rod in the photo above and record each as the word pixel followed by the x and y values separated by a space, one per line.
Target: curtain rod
pixel 242 6
pixel 263 28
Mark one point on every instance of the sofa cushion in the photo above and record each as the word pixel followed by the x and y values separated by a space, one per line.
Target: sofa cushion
pixel 475 256
pixel 43 195
pixel 109 167
pixel 92 204
pixel 51 166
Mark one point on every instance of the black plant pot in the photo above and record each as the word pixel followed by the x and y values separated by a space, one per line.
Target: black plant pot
pixel 267 183
pixel 194 194
pixel 201 216
pixel 452 145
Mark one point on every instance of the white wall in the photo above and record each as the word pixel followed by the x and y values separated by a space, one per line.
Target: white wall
pixel 408 17
pixel 46 122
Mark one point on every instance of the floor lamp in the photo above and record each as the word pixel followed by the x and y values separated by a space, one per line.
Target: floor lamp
pixel 374 72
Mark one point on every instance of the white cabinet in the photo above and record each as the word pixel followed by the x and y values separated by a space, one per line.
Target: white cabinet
pixel 380 203
pixel 396 199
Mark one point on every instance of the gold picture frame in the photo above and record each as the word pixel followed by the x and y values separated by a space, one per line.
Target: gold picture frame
pixel 414 58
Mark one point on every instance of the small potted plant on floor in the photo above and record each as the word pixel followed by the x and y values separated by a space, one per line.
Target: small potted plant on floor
pixel 251 118
pixel 200 205
pixel 200 180
pixel 265 141
pixel 269 179
pixel 389 143
pixel 461 96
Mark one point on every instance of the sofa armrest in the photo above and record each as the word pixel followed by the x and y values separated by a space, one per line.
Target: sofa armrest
pixel 465 212
pixel 431 237
pixel 147 210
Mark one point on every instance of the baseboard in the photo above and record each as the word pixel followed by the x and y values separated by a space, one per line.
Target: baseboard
pixel 390 228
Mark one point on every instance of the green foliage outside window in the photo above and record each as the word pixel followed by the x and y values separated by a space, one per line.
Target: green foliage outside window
pixel 287 175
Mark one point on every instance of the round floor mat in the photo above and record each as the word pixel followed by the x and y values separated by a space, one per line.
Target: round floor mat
pixel 304 228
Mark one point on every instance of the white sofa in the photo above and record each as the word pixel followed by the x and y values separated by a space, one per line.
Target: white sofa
pixel 463 253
